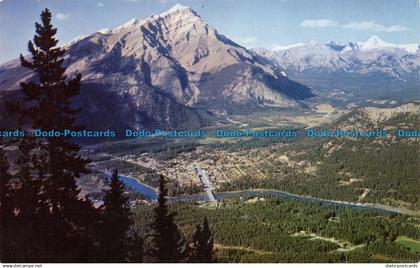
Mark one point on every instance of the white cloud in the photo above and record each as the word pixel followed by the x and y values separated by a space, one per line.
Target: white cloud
pixel 320 23
pixel 62 16
pixel 371 25
pixel 248 41
pixel 100 4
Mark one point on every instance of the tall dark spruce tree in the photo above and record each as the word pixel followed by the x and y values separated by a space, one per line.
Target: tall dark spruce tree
pixel 61 224
pixel 115 240
pixel 136 253
pixel 202 248
pixel 167 244
pixel 30 206
pixel 6 210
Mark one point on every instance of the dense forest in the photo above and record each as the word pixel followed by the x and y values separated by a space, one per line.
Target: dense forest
pixel 389 171
pixel 271 229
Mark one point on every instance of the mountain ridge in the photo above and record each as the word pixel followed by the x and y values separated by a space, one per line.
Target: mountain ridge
pixel 370 69
pixel 398 61
pixel 373 42
pixel 174 58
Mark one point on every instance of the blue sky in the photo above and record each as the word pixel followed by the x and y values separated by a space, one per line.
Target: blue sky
pixel 253 23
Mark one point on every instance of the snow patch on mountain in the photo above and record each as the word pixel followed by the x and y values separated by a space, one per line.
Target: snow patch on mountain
pixel 127 25
pixel 286 47
pixel 74 40
pixel 105 31
pixel 375 42
pixel 369 58
pixel 175 8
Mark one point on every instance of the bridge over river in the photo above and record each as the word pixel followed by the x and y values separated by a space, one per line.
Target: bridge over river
pixel 151 194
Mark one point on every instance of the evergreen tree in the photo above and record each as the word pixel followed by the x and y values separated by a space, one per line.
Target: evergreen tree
pixel 21 207
pixel 30 204
pixel 116 222
pixel 6 210
pixel 167 244
pixel 50 109
pixel 202 249
pixel 136 252
pixel 4 182
pixel 62 224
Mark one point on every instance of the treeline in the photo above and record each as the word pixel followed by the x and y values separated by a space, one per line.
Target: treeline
pixel 43 217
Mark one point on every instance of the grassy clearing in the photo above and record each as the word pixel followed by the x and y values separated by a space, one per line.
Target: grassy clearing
pixel 247 249
pixel 407 242
pixel 344 245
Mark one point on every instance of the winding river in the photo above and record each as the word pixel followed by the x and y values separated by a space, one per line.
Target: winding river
pixel 139 187
pixel 151 194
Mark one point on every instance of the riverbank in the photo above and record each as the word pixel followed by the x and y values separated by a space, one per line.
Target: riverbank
pixel 152 194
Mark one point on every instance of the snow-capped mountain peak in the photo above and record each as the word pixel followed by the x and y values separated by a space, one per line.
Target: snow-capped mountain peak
pixel 126 25
pixel 178 59
pixel 166 70
pixel 372 58
pixel 374 42
pixel 176 8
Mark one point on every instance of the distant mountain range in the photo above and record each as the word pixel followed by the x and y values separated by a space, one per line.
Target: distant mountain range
pixel 174 71
pixel 373 66
pixel 169 70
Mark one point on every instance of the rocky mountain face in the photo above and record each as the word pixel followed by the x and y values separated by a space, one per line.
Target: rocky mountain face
pixel 167 70
pixel 368 66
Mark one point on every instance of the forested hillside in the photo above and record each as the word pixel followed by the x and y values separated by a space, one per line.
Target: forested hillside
pixel 269 229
